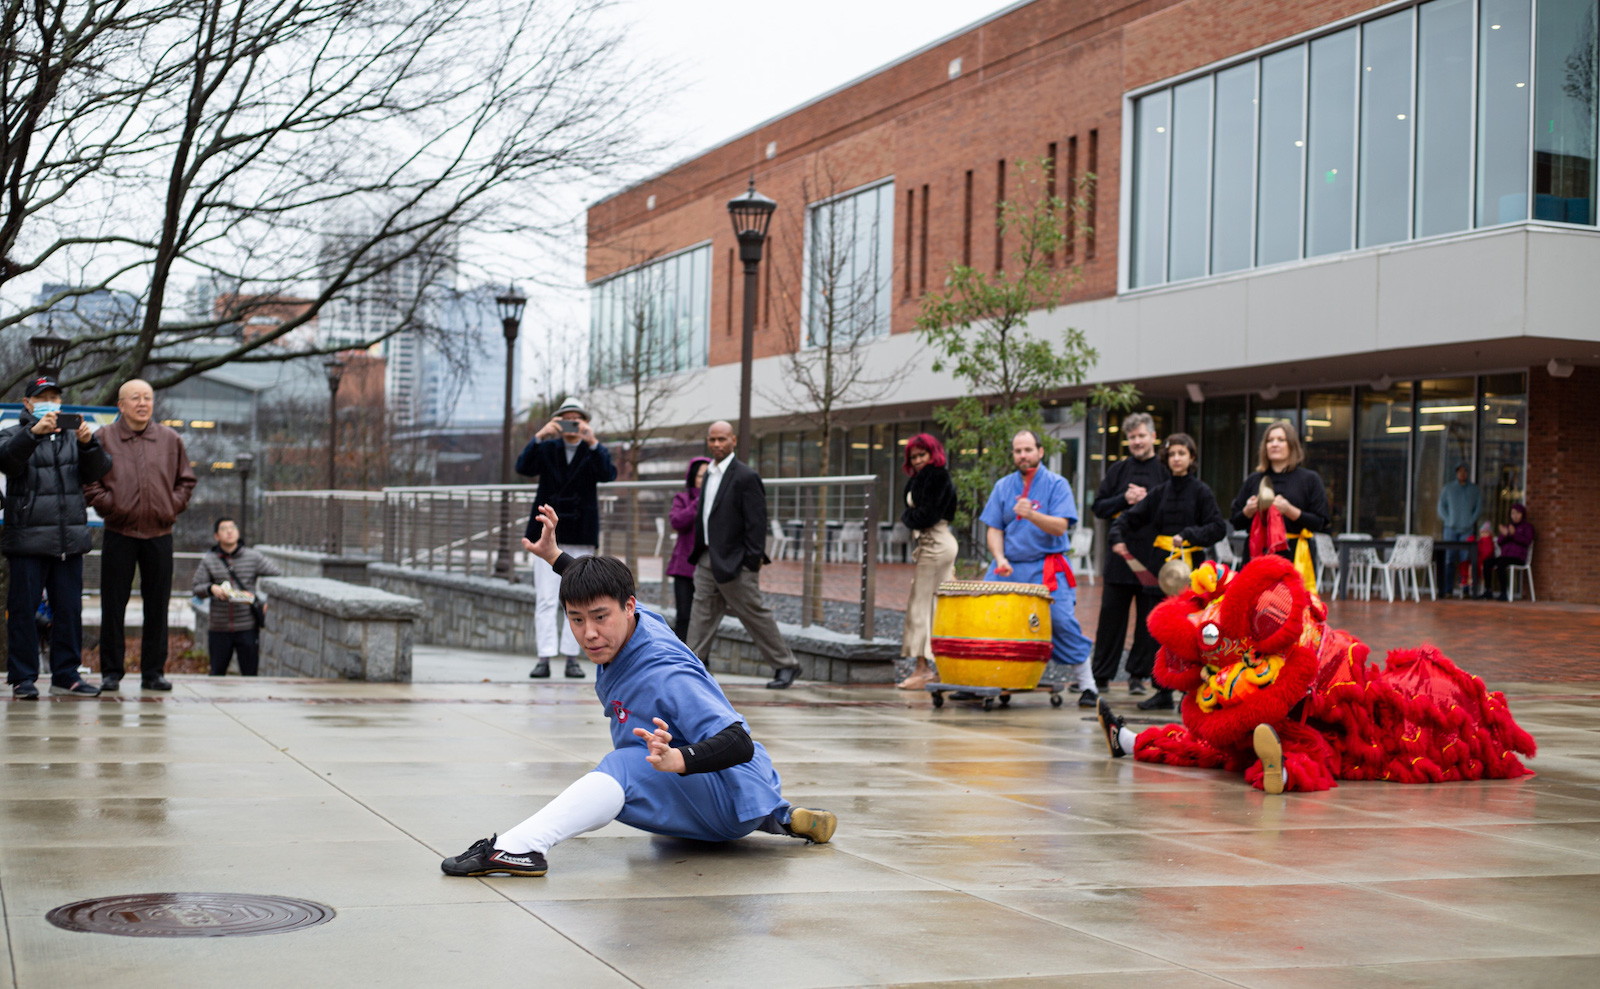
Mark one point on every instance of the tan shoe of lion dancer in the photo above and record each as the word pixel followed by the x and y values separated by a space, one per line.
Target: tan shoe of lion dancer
pixel 1270 751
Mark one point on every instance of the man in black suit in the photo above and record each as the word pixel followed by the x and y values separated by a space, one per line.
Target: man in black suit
pixel 730 536
pixel 569 461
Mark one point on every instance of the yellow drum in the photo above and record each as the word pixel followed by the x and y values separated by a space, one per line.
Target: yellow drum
pixel 991 634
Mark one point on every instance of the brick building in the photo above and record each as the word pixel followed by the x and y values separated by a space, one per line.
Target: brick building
pixel 1375 219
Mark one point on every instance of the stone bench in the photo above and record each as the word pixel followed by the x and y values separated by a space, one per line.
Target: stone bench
pixel 318 627
pixel 826 655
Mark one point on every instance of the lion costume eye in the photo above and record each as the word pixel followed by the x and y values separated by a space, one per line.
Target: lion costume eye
pixel 1210 634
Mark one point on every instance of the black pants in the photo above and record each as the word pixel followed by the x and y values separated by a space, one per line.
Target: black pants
pixel 34 578
pixel 683 594
pixel 1497 571
pixel 224 645
pixel 1113 628
pixel 153 558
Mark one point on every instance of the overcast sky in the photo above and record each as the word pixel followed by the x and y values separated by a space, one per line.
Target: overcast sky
pixel 732 81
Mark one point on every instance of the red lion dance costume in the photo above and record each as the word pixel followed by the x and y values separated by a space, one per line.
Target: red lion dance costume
pixel 1252 648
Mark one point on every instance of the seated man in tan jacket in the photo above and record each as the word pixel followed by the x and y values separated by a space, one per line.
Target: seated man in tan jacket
pixel 148 487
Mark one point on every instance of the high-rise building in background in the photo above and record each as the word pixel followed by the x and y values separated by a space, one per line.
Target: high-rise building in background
pixel 99 310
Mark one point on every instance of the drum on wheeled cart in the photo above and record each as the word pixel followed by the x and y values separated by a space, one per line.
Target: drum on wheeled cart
pixel 991 640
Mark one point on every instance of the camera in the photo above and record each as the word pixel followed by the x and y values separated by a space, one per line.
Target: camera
pixel 571 426
pixel 69 421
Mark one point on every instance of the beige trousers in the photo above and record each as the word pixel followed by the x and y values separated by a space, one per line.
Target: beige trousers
pixel 935 556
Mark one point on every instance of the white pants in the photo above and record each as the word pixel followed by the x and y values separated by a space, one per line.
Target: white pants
pixel 550 628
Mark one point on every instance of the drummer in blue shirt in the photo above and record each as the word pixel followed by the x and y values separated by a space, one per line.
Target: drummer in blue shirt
pixel 1029 515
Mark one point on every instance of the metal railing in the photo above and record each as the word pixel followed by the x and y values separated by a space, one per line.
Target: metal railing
pixel 826 525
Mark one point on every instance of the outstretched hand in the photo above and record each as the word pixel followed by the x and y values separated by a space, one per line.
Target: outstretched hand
pixel 545 547
pixel 662 755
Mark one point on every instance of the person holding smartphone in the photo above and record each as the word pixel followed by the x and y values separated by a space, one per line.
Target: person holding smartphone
pixel 45 535
pixel 569 462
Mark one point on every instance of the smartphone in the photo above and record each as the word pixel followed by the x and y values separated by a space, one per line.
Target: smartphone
pixel 69 421
pixel 571 426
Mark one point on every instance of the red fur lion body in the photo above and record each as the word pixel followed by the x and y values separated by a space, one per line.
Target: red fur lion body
pixel 1253 647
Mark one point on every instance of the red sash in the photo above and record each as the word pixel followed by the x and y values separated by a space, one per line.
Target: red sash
pixel 1055 564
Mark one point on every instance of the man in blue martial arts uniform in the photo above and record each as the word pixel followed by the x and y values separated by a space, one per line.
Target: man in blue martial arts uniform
pixel 1029 514
pixel 718 786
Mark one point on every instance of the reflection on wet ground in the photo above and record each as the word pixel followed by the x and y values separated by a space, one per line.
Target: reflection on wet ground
pixel 975 848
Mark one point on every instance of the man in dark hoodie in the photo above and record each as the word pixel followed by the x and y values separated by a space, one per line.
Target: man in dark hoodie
pixel 44 538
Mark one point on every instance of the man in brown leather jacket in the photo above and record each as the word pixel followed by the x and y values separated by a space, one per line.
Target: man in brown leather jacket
pixel 148 487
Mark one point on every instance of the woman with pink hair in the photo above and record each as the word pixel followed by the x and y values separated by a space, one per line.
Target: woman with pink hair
pixel 930 506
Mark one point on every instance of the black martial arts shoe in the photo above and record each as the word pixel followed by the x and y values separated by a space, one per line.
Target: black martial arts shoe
pixel 1111 728
pixel 815 826
pixel 24 691
pixel 1088 699
pixel 541 670
pixel 781 679
pixel 574 670
pixel 155 683
pixel 77 689
pixel 1161 700
pixel 110 682
pixel 1135 686
pixel 483 859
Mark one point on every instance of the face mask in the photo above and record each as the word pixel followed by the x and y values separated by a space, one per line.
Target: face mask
pixel 42 409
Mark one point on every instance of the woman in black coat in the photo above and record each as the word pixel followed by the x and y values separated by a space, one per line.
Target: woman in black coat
pixel 1184 515
pixel 1299 495
pixel 930 505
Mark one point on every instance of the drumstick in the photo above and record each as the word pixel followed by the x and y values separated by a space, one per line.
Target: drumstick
pixel 1146 578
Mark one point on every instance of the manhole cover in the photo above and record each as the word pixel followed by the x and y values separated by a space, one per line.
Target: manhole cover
pixel 189 915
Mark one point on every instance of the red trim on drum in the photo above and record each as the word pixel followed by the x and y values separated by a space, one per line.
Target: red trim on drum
pixel 1004 650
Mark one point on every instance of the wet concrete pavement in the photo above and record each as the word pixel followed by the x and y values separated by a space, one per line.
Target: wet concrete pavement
pixel 974 849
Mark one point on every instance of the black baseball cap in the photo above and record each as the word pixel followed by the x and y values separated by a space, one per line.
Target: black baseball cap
pixel 43 382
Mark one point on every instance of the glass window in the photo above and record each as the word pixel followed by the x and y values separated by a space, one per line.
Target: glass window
pixel 850 265
pixel 652 316
pixel 1444 117
pixel 1445 416
pixel 1331 147
pixel 1385 129
pixel 1150 138
pixel 1502 442
pixel 1383 445
pixel 1233 168
pixel 1282 150
pixel 1325 431
pixel 1263 413
pixel 1223 462
pixel 1564 112
pixel 1503 77
pixel 1191 168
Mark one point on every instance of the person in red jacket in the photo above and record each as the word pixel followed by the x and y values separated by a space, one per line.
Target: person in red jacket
pixel 685 510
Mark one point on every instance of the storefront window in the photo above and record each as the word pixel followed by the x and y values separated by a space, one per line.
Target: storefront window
pixel 1502 443
pixel 1564 112
pixel 1446 414
pixel 1233 168
pixel 1223 462
pixel 1283 87
pixel 1386 120
pixel 1444 117
pixel 1331 145
pixel 1325 431
pixel 1383 444
pixel 1191 157
pixel 1503 97
pixel 1152 124
pixel 1263 413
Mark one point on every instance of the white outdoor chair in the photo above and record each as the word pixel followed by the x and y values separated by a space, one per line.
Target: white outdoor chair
pixel 1223 553
pixel 1410 554
pixel 849 544
pixel 777 542
pixel 1082 552
pixel 1327 561
pixel 1526 569
pixel 661 535
pixel 894 543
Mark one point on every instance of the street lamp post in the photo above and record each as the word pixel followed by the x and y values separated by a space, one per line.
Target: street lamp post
pixel 48 351
pixel 335 370
pixel 752 213
pixel 243 462
pixel 510 304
